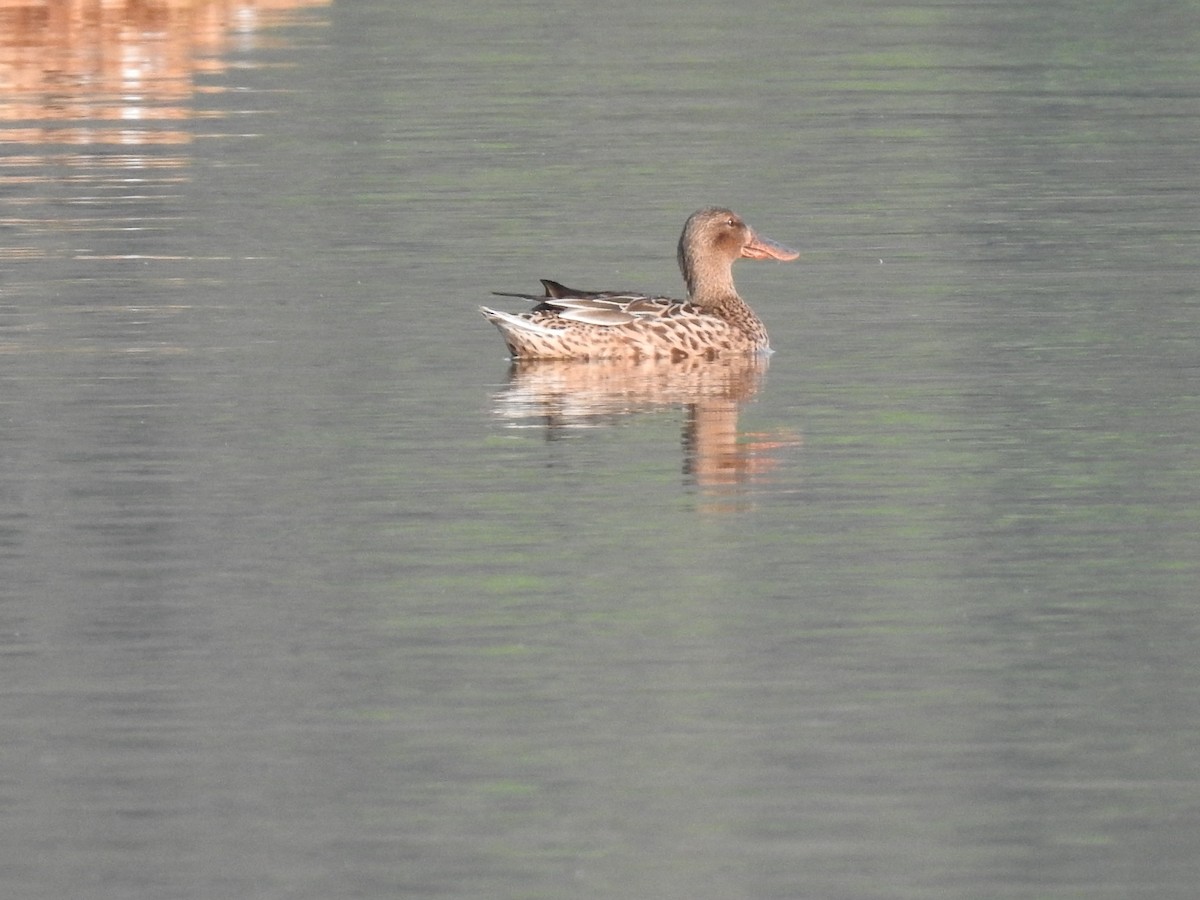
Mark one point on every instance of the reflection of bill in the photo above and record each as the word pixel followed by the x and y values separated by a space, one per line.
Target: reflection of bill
pixel 560 395
pixel 88 72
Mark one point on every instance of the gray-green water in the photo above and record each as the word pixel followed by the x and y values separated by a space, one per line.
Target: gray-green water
pixel 303 596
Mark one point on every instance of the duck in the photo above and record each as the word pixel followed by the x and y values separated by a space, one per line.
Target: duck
pixel 570 324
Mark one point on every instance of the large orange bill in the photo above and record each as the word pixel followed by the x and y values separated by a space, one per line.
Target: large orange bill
pixel 761 248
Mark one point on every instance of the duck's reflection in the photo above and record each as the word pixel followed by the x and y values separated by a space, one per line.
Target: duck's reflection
pixel 558 396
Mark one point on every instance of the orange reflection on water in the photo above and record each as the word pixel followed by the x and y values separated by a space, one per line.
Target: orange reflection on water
pixel 115 71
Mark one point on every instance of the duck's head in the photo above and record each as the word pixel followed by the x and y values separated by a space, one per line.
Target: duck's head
pixel 713 238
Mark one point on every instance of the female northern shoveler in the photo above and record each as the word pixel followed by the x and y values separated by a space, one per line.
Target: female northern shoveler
pixel 714 321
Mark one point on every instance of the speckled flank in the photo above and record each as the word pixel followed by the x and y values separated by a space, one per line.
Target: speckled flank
pixel 680 334
pixel 713 322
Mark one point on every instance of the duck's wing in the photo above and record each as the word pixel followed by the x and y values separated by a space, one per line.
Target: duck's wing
pixel 598 307
pixel 610 308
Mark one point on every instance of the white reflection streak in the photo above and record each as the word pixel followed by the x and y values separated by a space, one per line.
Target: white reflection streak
pixel 133 68
pixel 245 26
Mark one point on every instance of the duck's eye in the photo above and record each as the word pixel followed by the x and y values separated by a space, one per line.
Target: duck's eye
pixel 731 221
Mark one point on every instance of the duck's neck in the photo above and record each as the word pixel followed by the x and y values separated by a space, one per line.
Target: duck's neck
pixel 710 286
pixel 709 279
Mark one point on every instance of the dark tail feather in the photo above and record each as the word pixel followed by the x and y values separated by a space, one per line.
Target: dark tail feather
pixel 554 291
pixel 558 291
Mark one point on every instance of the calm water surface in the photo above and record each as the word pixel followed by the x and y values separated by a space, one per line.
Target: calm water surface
pixel 305 594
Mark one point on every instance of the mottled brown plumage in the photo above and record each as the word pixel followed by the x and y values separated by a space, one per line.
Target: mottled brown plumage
pixel 714 321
